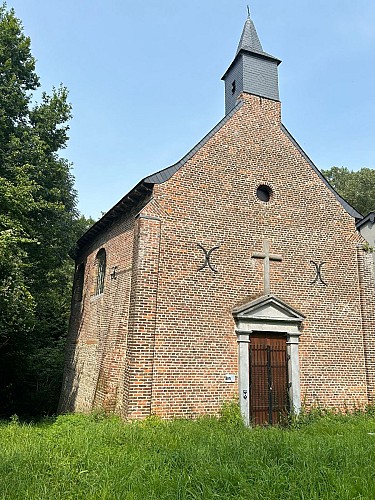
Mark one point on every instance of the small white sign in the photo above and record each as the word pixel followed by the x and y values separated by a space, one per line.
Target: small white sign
pixel 229 378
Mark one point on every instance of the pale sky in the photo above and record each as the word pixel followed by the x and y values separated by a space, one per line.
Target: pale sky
pixel 144 79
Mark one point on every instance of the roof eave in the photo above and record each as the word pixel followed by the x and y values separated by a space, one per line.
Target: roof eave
pixel 370 217
pixel 128 201
pixel 145 186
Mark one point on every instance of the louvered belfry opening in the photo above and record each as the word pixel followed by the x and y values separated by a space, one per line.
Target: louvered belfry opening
pixel 268 378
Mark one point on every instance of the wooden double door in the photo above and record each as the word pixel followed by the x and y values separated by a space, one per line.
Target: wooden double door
pixel 268 378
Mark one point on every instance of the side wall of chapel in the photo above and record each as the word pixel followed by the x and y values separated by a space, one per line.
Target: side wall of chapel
pixel 367 287
pixel 97 339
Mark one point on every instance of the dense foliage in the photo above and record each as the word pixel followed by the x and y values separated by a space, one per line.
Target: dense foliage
pixel 91 457
pixel 38 224
pixel 356 187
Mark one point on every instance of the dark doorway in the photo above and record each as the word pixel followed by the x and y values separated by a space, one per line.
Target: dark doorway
pixel 268 378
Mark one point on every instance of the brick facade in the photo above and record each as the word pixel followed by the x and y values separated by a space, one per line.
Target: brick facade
pixel 161 337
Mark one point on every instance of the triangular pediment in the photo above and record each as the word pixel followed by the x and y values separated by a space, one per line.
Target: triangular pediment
pixel 268 308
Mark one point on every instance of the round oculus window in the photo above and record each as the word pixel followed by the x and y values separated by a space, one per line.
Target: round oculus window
pixel 264 193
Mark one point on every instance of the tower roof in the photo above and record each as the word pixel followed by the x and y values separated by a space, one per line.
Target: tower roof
pixel 252 70
pixel 250 44
pixel 249 38
pixel 249 41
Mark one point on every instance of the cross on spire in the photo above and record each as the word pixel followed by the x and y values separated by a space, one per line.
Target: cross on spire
pixel 267 257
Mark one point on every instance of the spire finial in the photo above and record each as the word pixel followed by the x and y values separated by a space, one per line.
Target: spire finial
pixel 248 11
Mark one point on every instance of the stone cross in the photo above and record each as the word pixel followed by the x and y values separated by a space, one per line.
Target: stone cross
pixel 267 257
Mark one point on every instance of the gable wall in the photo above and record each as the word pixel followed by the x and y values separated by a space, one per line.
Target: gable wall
pixel 368 232
pixel 211 201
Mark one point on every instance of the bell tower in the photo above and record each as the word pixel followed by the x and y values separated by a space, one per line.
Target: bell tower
pixel 252 70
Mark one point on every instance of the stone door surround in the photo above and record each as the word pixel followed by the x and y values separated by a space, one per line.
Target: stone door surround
pixel 267 314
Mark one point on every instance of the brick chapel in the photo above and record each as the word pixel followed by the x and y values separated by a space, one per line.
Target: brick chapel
pixel 237 272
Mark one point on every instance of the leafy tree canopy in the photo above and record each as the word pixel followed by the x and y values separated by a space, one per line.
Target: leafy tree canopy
pixel 39 223
pixel 357 188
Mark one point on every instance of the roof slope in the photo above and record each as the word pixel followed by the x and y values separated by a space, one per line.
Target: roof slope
pixel 370 217
pixel 166 173
pixel 144 187
pixel 351 210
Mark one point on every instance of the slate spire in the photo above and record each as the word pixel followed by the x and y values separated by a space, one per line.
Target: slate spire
pixel 249 38
pixel 252 70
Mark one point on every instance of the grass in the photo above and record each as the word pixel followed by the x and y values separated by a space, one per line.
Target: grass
pixel 93 457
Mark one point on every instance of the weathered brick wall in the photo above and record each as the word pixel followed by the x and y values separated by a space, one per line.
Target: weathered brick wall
pixel 142 318
pixel 367 288
pixel 211 200
pixel 96 348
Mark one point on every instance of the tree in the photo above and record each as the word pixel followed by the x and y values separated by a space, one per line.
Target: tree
pixel 357 188
pixel 39 223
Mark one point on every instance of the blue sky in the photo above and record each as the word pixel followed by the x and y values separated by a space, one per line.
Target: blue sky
pixel 145 79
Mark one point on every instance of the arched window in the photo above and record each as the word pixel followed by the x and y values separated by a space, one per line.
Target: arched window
pixel 100 271
pixel 78 283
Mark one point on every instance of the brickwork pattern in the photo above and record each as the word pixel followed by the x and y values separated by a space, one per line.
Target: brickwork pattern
pixel 96 348
pixel 161 338
pixel 142 318
pixel 212 201
pixel 367 288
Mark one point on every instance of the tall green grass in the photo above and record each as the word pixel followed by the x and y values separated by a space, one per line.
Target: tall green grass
pixel 93 457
